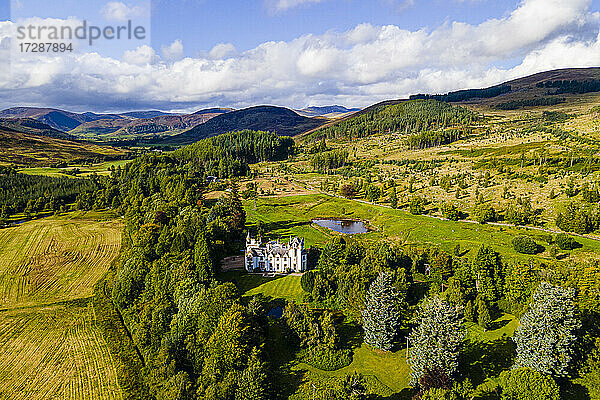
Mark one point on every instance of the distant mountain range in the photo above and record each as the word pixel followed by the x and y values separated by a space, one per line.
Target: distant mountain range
pixel 155 125
pixel 279 120
pixel 158 127
pixel 111 127
pixel 327 111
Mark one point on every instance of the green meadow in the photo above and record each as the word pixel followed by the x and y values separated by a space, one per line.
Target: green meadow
pixel 292 215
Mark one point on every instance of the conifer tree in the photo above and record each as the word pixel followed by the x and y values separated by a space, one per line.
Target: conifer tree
pixel 469 312
pixel 484 318
pixel 202 259
pixel 436 340
pixel 252 383
pixel 380 315
pixel 546 337
pixel 487 270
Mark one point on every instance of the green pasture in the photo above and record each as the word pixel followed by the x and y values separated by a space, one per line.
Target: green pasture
pixel 292 215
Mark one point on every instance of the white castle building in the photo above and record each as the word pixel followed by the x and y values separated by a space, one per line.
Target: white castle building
pixel 274 256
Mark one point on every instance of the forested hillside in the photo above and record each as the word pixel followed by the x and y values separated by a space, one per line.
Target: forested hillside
pixel 405 118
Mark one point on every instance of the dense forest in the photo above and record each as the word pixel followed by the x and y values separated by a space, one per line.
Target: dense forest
pixel 571 86
pixel 405 118
pixel 194 335
pixel 543 101
pixel 246 145
pixel 465 95
pixel 224 156
pixel 32 193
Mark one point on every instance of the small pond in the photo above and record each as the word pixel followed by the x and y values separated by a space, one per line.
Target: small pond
pixel 345 226
pixel 275 312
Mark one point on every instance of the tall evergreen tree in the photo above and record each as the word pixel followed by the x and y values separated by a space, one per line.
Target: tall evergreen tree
pixel 202 259
pixel 487 271
pixel 546 337
pixel 253 383
pixel 380 315
pixel 484 318
pixel 436 340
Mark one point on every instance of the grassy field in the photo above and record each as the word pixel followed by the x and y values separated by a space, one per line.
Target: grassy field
pixel 54 259
pixel 291 215
pixel 50 346
pixel 389 368
pixel 55 352
pixel 86 170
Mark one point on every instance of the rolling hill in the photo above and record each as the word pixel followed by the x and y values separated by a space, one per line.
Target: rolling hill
pixel 57 119
pixel 111 127
pixel 541 89
pixel 34 150
pixel 35 127
pixel 279 120
pixel 327 111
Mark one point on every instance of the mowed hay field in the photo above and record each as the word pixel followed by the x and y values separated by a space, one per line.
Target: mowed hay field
pixel 55 352
pixel 54 259
pixel 50 345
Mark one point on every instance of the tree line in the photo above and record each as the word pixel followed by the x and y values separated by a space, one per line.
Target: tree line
pixel 571 86
pixel 465 95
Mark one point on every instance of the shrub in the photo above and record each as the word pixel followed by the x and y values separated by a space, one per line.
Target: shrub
pixel 416 205
pixel 308 281
pixel 327 359
pixel 520 212
pixel 525 245
pixel 566 242
pixel 526 384
pixel 348 191
pixel 450 211
pixel 575 218
pixel 485 213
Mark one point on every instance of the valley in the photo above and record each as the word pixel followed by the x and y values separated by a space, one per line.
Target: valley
pixel 110 274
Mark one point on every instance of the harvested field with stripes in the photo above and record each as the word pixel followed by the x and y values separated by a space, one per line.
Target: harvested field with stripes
pixel 55 352
pixel 54 259
pixel 50 344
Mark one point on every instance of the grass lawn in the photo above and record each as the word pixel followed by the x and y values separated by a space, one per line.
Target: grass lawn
pixel 389 368
pixel 278 287
pixel 505 325
pixel 287 287
pixel 292 215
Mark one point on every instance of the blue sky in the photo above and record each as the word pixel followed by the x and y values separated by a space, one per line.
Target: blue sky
pixel 295 53
pixel 246 24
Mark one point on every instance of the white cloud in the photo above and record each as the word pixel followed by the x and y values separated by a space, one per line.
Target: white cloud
pixel 358 67
pixel 141 56
pixel 283 5
pixel 222 50
pixel 173 52
pixel 400 5
pixel 119 11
